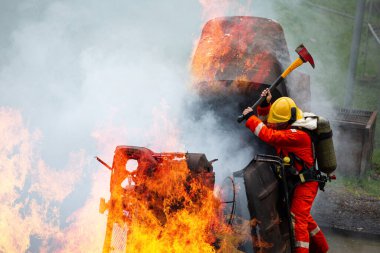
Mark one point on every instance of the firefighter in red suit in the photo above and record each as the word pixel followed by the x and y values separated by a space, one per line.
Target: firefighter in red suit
pixel 289 141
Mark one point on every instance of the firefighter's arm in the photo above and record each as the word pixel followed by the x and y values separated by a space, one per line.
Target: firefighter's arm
pixel 289 137
pixel 268 97
pixel 263 109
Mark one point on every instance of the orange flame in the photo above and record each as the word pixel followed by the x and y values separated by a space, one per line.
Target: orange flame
pixel 169 209
pixel 30 191
pixel 228 51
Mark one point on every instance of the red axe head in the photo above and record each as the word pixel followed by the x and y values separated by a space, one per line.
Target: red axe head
pixel 305 55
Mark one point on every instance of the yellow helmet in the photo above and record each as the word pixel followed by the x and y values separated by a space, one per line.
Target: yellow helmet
pixel 282 111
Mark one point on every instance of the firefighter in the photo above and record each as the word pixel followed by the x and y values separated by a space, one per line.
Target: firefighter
pixel 291 142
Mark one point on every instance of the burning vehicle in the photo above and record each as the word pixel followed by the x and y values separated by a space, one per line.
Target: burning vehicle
pixel 237 57
pixel 165 205
pixel 168 203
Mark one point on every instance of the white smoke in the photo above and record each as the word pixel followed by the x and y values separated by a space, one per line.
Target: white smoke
pixel 90 75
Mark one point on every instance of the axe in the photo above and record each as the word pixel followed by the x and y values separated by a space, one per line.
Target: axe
pixel 304 56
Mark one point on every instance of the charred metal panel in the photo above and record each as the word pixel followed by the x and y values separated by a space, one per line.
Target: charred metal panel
pixel 201 168
pixel 239 56
pixel 198 162
pixel 271 235
pixel 241 48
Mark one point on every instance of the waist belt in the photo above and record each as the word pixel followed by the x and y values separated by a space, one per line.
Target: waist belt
pixel 308 175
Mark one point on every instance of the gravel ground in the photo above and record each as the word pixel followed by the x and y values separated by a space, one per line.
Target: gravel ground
pixel 338 208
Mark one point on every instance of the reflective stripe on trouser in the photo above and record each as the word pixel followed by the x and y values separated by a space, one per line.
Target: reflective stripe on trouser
pixel 314 231
pixel 301 244
pixel 318 243
pixel 304 224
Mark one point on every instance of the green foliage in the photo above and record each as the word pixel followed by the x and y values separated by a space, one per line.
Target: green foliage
pixel 368 185
pixel 328 36
pixel 376 160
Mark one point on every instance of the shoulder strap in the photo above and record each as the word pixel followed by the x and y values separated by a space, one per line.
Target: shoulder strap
pixel 314 139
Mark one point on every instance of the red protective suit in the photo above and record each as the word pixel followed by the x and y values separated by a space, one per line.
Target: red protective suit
pixel 298 142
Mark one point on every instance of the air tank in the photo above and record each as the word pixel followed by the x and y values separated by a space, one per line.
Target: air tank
pixel 325 152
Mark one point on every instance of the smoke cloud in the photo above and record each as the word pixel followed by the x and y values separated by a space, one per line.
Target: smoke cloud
pixel 78 78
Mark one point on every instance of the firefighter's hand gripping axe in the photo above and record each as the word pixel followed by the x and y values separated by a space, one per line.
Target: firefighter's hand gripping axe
pixel 304 56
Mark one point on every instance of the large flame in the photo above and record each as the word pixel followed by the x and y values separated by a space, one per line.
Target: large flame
pixel 188 217
pixel 185 221
pixel 169 209
pixel 30 192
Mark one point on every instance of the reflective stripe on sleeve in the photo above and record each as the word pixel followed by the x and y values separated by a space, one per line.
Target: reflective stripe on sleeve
pixel 258 128
pixel 315 231
pixel 301 244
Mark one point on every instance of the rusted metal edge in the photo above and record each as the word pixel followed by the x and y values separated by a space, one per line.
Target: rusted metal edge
pixel 371 120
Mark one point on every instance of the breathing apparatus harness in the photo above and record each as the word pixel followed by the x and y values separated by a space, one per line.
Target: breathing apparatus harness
pixel 285 112
pixel 293 115
pixel 307 174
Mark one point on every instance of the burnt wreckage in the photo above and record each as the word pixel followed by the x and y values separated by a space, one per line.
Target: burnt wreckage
pixel 129 188
pixel 236 58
